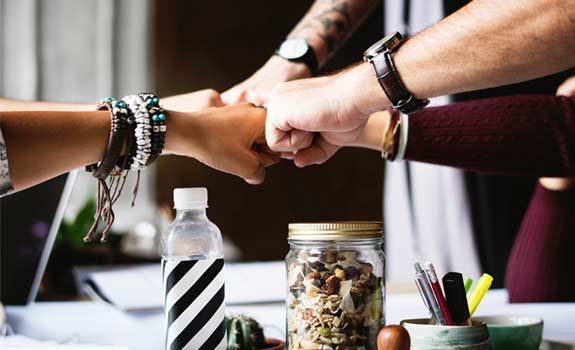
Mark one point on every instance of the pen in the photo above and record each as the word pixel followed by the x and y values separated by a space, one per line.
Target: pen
pixel 436 288
pixel 423 282
pixel 478 292
pixel 419 288
pixel 467 282
pixel 455 297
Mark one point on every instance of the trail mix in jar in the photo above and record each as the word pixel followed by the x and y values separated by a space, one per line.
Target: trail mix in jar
pixel 335 302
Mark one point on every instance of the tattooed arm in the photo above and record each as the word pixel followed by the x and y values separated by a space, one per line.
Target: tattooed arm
pixel 329 23
pixel 325 28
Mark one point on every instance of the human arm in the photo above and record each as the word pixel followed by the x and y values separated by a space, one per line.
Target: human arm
pixel 485 44
pixel 523 135
pixel 325 27
pixel 44 144
pixel 189 102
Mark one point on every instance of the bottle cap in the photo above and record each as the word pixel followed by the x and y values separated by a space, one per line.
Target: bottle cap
pixel 191 198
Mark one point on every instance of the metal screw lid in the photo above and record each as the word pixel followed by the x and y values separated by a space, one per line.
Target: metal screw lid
pixel 336 230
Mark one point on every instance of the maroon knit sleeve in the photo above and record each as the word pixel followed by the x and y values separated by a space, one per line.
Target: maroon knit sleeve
pixel 527 135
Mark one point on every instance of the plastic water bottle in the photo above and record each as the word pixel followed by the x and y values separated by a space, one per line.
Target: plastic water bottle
pixel 192 270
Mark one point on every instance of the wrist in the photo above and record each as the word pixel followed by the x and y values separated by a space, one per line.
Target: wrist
pixel 358 86
pixel 183 134
pixel 373 134
pixel 287 70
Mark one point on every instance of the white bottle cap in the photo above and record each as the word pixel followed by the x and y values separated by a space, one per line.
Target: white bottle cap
pixel 191 198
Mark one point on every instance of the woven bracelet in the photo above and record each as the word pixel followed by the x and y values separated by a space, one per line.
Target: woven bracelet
pixel 101 171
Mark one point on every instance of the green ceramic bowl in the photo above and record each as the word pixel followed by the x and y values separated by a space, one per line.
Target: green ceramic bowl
pixel 513 332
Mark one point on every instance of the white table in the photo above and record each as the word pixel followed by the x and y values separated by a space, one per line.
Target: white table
pixel 97 322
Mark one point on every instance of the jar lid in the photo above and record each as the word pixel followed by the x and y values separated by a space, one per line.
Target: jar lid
pixel 336 230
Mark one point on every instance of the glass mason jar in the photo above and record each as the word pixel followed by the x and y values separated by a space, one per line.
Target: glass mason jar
pixel 336 286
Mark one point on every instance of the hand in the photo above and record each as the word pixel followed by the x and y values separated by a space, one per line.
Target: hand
pixel 567 88
pixel 193 101
pixel 257 88
pixel 230 139
pixel 335 106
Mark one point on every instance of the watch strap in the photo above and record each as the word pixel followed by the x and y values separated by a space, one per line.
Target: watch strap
pixel 309 59
pixel 390 81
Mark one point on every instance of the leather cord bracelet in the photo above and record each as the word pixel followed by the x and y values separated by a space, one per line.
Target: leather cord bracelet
pixel 101 171
pixel 138 127
pixel 118 131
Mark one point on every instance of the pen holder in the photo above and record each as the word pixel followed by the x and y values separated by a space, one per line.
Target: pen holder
pixel 426 336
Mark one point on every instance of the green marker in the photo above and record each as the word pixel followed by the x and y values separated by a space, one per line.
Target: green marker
pixel 467 282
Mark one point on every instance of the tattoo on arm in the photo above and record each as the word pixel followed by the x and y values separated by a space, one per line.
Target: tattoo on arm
pixel 333 20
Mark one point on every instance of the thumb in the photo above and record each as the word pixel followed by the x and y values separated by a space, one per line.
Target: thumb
pixel 318 153
pixel 567 88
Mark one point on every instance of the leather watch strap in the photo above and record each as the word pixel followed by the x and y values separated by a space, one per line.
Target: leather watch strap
pixel 391 83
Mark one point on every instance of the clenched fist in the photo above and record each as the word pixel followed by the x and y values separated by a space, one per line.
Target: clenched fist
pixel 309 119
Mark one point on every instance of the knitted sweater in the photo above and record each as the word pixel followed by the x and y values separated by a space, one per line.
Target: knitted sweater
pixel 525 135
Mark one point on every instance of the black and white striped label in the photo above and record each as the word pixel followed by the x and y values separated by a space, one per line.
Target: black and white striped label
pixel 194 304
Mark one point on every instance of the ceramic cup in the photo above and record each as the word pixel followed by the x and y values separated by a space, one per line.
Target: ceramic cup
pixel 513 332
pixel 426 336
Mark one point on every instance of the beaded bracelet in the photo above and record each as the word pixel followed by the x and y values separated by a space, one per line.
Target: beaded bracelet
pixel 138 126
pixel 158 119
pixel 142 131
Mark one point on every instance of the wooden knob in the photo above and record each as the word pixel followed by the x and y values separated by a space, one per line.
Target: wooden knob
pixel 393 337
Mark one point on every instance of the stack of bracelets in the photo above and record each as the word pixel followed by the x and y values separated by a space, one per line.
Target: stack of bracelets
pixel 138 127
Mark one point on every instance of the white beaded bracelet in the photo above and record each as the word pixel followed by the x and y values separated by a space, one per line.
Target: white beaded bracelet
pixel 142 132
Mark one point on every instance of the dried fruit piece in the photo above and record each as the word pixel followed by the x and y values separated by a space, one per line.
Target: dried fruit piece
pixel 332 285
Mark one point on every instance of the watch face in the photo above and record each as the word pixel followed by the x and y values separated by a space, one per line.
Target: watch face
pixel 388 43
pixel 293 48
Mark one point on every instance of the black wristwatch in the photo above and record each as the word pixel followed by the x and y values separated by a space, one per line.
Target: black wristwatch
pixel 298 50
pixel 379 55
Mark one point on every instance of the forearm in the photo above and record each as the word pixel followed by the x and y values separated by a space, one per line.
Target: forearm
pixel 44 144
pixel 489 43
pixel 528 135
pixel 8 105
pixel 329 23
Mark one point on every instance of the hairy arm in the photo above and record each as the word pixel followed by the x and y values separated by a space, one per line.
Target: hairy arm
pixel 329 23
pixel 487 43
pixel 490 43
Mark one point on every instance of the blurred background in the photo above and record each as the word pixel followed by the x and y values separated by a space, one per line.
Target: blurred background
pixel 81 51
